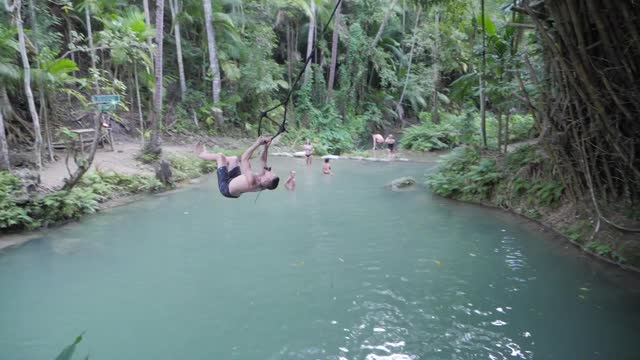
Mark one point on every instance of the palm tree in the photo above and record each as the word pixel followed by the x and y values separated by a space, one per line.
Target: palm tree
pixel 383 24
pixel 9 73
pixel 435 116
pixel 175 7
pixel 213 57
pixel 53 76
pixel 147 20
pixel 15 9
pixel 153 147
pixel 399 108
pixel 310 38
pixel 91 6
pixel 4 147
pixel 483 110
pixel 334 51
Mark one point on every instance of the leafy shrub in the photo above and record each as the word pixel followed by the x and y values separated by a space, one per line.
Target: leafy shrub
pixel 521 127
pixel 461 159
pixel 66 205
pixel 481 179
pixel 105 183
pixel 427 137
pixel 328 133
pixel 93 188
pixel 578 231
pixel 599 248
pixel 452 178
pixel 189 167
pixel 147 158
pixel 546 193
pixel 523 156
pixel 446 184
pixel 11 213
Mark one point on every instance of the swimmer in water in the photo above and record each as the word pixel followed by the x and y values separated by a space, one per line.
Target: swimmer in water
pixel 290 184
pixel 326 168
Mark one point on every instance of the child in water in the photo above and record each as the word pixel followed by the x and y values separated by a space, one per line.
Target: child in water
pixel 326 167
pixel 291 181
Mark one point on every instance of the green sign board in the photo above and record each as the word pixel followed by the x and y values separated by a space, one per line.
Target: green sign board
pixel 105 99
pixel 105 107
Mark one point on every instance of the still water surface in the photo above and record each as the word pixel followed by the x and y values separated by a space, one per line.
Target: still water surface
pixel 340 269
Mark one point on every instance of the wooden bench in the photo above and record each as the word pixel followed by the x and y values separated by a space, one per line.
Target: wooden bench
pixel 83 138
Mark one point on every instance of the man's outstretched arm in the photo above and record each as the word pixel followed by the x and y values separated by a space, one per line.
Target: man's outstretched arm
pixel 245 165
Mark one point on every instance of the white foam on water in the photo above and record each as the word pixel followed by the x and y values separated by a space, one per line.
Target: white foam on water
pixel 395 344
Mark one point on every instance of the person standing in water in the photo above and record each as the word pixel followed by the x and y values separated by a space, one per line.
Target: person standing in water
pixel 326 167
pixel 308 151
pixel 290 184
pixel 377 139
pixel 235 176
pixel 391 143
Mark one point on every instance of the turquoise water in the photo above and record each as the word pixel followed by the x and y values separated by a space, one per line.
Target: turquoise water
pixel 340 269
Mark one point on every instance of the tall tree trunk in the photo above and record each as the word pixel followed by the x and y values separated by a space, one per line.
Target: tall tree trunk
pixel 43 101
pixel 4 147
pixel 404 15
pixel 435 115
pixel 147 13
pixel 213 57
pixel 310 38
pixel 174 5
pixel 334 52
pixel 499 130
pixel 17 17
pixel 399 109
pixel 483 110
pixel 68 39
pixel 147 20
pixel 45 119
pixel 156 115
pixel 506 132
pixel 382 26
pixel 135 74
pixel 87 14
pixel 289 54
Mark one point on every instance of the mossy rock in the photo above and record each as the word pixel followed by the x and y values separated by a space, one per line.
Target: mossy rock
pixel 406 183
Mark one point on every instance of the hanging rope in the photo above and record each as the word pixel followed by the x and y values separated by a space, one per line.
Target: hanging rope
pixel 265 114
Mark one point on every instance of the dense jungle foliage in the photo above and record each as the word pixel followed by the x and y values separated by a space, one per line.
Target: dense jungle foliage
pixel 377 66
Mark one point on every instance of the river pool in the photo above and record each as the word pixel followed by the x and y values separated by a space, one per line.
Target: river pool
pixel 339 269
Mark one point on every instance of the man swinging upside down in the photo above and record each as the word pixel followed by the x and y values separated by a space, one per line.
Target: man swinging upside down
pixel 235 178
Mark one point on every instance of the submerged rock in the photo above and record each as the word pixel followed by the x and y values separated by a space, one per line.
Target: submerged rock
pixel 406 183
